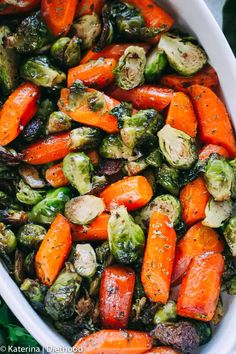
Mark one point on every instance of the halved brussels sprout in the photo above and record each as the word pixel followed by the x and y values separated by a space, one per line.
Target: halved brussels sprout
pixel 85 262
pixel 77 167
pixel 136 167
pixel 82 210
pixel 41 72
pixel 167 312
pixel 178 147
pixel 130 70
pixel 84 138
pixel 66 51
pixel 183 56
pixel 29 263
pixel 166 204
pixel 126 239
pixel 217 212
pixel 233 189
pixel 219 177
pixel 112 147
pixel 155 158
pixel 156 63
pixel 88 28
pixel 30 175
pixel 27 195
pixel 230 234
pixel 31 235
pixel 168 178
pixel 8 239
pixel 34 292
pixel 58 122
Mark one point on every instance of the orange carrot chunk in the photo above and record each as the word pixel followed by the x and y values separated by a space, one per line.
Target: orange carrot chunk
pixel 53 251
pixel 200 288
pixel 198 241
pixel 181 114
pixel 17 111
pixel 116 293
pixel 193 198
pixel 133 192
pixel 21 6
pixel 162 350
pixel 55 176
pixel 87 7
pixel 96 231
pixel 207 150
pixel 115 342
pixel 214 122
pixel 158 258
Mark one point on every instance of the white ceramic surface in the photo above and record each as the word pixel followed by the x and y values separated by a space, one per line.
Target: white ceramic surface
pixel 194 16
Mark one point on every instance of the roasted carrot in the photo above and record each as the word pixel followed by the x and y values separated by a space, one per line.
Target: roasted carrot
pixel 116 293
pixel 94 156
pixel 200 288
pixel 21 6
pixel 85 115
pixel 193 198
pixel 206 77
pixel 97 74
pixel 162 350
pixel 96 231
pixel 207 150
pixel 53 251
pixel 17 111
pixel 158 258
pixel 58 15
pixel 55 176
pixel 144 97
pixel 114 51
pixel 214 122
pixel 47 150
pixel 198 240
pixel 114 342
pixel 181 114
pixel 87 7
pixel 133 192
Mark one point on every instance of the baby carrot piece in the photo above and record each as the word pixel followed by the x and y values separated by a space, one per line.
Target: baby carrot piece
pixel 132 192
pixel 193 198
pixel 21 6
pixel 158 258
pixel 214 122
pixel 206 77
pixel 114 342
pixel 96 231
pixel 207 150
pixel 87 7
pixel 181 114
pixel 162 350
pixel 55 176
pixel 47 150
pixel 97 74
pixel 53 251
pixel 198 241
pixel 144 97
pixel 17 111
pixel 84 114
pixel 116 293
pixel 200 288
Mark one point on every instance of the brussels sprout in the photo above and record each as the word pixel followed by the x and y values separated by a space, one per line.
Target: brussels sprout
pixel 41 72
pixel 139 131
pixel 27 195
pixel 233 189
pixel 219 313
pixel 46 107
pixel 8 240
pixel 34 292
pixel 84 138
pixel 156 63
pixel 217 212
pixel 168 178
pixel 31 235
pixel 155 158
pixel 77 167
pixel 135 167
pixel 112 147
pixel 130 70
pixel 61 297
pixel 126 239
pixel 82 210
pixel 8 61
pixel 103 255
pixel 166 204
pixel 98 183
pixel 29 263
pixel 19 267
pixel 230 286
pixel 30 175
pixel 219 177
pixel 31 35
pixel 107 32
pixel 204 331
pixel 183 56
pixel 85 262
pixel 230 234
pixel 88 28
pixel 150 176
pixel 58 122
pixel 167 312
pixel 66 51
pixel 45 211
pixel 13 217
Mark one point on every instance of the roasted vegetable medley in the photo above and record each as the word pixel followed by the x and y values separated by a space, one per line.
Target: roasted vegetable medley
pixel 117 175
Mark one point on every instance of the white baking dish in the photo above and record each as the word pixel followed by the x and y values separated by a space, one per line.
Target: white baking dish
pixel 194 16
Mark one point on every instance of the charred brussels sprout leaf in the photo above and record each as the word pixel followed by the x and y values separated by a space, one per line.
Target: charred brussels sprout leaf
pixel 66 51
pixel 88 28
pixel 85 262
pixel 167 312
pixel 84 138
pixel 168 178
pixel 112 147
pixel 13 217
pixel 29 264
pixel 10 157
pixel 58 122
pixel 126 239
pixel 136 167
pixel 19 267
pixel 61 297
pixel 27 195
pixel 41 72
pixel 183 56
pixel 217 212
pixel 130 70
pixel 30 175
pixel 31 235
pixel 8 240
pixel 178 148
pixel 122 110
pixel 204 331
pixel 230 234
pixel 155 158
pixel 156 63
pixel 230 286
pixel 107 32
pixel 35 293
